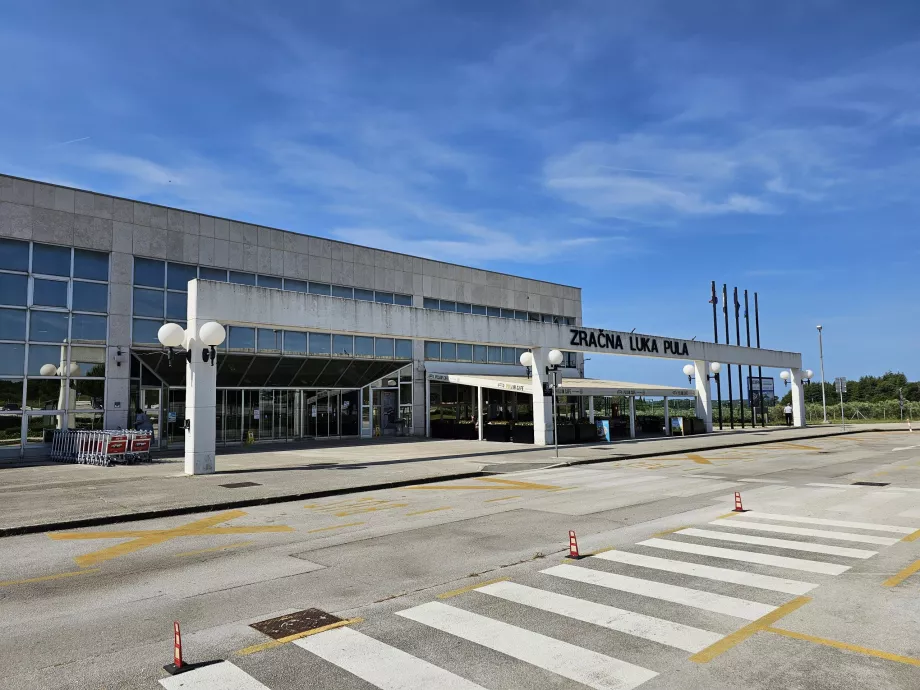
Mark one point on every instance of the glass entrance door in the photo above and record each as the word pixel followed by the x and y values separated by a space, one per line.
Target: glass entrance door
pixel 334 399
pixel 322 414
pixel 150 403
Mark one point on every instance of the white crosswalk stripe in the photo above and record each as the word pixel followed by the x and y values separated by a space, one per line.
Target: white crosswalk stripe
pixel 665 632
pixel 738 577
pixel 581 665
pixel 380 664
pixel 224 675
pixel 831 523
pixel 747 556
pixel 804 531
pixel 717 603
pixel 787 544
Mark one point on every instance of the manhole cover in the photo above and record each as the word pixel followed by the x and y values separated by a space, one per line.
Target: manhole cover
pixel 240 485
pixel 295 623
pixel 871 483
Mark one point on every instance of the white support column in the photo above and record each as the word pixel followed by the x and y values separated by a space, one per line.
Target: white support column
pixel 200 397
pixel 703 393
pixel 427 406
pixel 632 416
pixel 667 421
pixel 591 408
pixel 542 406
pixel 480 423
pixel 798 398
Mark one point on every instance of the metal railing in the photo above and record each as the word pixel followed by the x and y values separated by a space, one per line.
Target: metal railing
pixel 101 447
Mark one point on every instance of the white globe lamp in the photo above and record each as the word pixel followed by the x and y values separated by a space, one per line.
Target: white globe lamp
pixel 688 370
pixel 171 335
pixel 212 334
pixel 808 374
pixel 715 367
pixel 48 370
pixel 554 357
pixel 527 359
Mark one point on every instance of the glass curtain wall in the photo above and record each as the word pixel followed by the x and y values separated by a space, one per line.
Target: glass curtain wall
pixel 53 332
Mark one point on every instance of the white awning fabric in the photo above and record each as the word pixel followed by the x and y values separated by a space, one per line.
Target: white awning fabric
pixel 522 384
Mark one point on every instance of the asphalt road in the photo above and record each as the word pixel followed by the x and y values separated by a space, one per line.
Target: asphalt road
pixel 466 584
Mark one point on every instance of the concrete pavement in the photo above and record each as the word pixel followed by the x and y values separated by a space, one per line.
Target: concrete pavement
pixel 40 497
pixel 688 598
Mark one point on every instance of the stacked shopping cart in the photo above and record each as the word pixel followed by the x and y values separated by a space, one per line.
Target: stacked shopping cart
pixel 101 447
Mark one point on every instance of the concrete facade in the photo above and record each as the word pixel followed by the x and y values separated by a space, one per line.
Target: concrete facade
pixel 124 228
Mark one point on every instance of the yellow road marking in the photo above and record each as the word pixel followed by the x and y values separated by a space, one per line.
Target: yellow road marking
pixel 430 510
pixel 503 485
pixel 502 498
pixel 370 509
pixel 215 548
pixel 142 539
pixel 727 515
pixel 45 578
pixel 290 638
pixel 698 459
pixel 326 529
pixel 796 445
pixel 903 575
pixel 669 531
pixel 463 590
pixel 913 536
pixel 845 645
pixel 739 636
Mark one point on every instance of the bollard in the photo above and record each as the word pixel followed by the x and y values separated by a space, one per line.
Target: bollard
pixel 177 666
pixel 573 545
pixel 738 508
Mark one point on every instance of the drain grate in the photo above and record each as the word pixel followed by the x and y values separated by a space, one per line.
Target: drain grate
pixel 295 623
pixel 240 485
pixel 871 483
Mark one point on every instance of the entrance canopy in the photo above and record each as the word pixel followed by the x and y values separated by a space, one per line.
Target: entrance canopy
pixel 522 384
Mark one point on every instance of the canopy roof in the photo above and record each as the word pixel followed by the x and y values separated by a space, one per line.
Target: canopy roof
pixel 522 384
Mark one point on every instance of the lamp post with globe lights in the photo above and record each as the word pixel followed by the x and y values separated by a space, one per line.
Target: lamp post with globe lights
pixel 554 357
pixel 201 387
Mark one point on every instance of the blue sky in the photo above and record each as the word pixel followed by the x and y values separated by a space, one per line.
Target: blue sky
pixel 635 149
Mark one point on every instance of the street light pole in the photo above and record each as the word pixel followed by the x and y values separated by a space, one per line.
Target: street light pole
pixel 555 435
pixel 821 357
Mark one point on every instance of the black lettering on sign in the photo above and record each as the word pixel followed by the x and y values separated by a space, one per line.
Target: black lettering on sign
pixel 685 350
pixel 574 332
pixel 667 346
pixel 582 338
pixel 592 340
pixel 654 345
pixel 619 343
pixel 632 345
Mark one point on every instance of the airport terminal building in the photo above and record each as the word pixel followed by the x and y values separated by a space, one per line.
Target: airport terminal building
pixel 324 339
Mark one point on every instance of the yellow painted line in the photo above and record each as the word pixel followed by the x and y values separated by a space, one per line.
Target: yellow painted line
pixel 142 539
pixel 670 531
pixel 903 575
pixel 430 510
pixel 372 509
pixel 46 578
pixel 698 459
pixel 326 529
pixel 464 590
pixel 503 484
pixel 215 548
pixel 845 645
pixel 739 636
pixel 727 515
pixel 290 638
pixel 797 445
pixel 502 498
pixel 913 536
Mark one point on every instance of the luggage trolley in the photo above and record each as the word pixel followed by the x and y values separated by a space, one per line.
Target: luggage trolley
pixel 138 447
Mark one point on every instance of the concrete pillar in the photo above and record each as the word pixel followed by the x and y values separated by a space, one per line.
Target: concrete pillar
pixel 667 421
pixel 200 406
pixel 632 416
pixel 480 422
pixel 591 409
pixel 798 398
pixel 703 393
pixel 542 405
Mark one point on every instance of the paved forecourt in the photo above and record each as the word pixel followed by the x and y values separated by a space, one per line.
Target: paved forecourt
pixel 792 593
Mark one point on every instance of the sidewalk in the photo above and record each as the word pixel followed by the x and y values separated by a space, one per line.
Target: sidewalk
pixel 46 496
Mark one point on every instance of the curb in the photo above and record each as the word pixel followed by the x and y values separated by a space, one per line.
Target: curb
pixel 285 498
pixel 224 505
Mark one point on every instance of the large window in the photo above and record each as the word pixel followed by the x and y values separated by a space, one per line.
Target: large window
pixel 53 331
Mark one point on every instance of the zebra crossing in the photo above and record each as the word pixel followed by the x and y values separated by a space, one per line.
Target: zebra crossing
pixel 629 592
